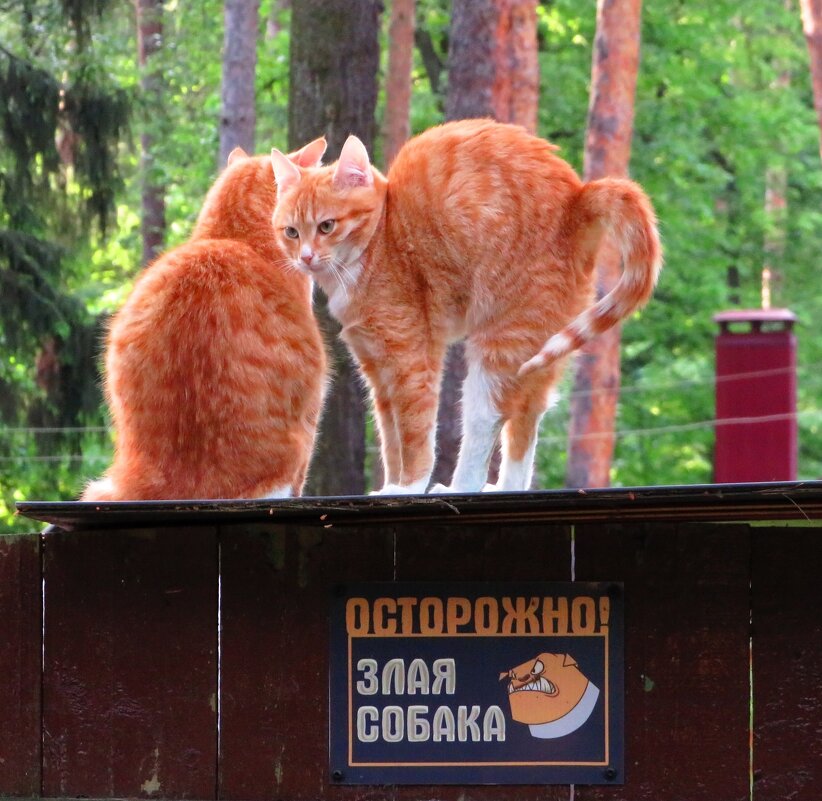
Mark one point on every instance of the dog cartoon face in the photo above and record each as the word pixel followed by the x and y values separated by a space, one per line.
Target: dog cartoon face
pixel 545 688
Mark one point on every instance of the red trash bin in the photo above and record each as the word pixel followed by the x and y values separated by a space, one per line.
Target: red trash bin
pixel 756 431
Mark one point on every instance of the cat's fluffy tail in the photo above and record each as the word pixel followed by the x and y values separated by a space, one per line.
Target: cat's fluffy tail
pixel 621 208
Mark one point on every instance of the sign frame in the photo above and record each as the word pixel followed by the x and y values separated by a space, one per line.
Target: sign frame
pixel 397 648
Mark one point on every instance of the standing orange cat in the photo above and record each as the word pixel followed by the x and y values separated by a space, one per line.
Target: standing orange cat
pixel 215 368
pixel 478 233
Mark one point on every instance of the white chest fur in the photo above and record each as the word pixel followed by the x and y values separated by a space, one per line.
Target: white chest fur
pixel 339 287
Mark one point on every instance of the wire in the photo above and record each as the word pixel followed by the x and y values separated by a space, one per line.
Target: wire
pixel 623 390
pixel 67 457
pixel 57 430
pixel 545 440
pixel 680 427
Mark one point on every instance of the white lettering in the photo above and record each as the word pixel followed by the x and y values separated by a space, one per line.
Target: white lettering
pixel 367 729
pixel 445 671
pixel 418 677
pixel 392 724
pixel 493 725
pixel 468 722
pixel 369 685
pixel 419 729
pixel 444 725
pixel 396 723
pixel 394 671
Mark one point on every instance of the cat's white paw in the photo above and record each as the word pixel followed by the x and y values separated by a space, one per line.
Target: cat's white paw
pixel 490 488
pixel 440 489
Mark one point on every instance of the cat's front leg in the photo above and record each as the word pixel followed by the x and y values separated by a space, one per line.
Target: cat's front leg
pixel 413 392
pixel 389 439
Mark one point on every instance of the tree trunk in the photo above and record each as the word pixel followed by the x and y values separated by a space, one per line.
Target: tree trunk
pixel 492 72
pixel 149 42
pixel 607 153
pixel 334 64
pixel 812 26
pixel 516 84
pixel 471 62
pixel 238 115
pixel 398 80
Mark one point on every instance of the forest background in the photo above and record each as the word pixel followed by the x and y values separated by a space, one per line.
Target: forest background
pixel 111 119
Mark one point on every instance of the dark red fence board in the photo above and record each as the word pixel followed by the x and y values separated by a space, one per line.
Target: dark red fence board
pixel 20 649
pixel 687 657
pixel 129 693
pixel 130 683
pixel 490 552
pixel 787 664
pixel 477 552
pixel 276 587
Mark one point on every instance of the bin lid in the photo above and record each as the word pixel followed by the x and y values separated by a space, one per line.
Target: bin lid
pixel 756 316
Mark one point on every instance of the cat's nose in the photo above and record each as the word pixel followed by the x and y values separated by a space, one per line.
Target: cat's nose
pixel 307 256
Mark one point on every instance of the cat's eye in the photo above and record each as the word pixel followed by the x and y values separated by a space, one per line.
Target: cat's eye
pixel 291 232
pixel 326 226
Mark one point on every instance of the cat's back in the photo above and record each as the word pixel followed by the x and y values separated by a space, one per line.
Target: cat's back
pixel 477 158
pixel 204 304
pixel 214 362
pixel 471 182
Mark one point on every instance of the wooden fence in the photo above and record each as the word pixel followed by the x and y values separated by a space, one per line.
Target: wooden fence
pixel 181 650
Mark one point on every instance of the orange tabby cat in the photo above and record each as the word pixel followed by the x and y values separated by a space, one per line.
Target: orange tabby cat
pixel 215 367
pixel 479 233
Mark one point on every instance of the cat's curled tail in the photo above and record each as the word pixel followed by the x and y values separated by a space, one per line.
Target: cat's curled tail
pixel 619 207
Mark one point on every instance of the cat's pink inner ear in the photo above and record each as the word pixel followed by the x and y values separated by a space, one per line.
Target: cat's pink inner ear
pixel 311 154
pixel 235 155
pixel 353 168
pixel 285 173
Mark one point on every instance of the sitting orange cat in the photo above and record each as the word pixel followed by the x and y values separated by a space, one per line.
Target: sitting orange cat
pixel 479 233
pixel 215 368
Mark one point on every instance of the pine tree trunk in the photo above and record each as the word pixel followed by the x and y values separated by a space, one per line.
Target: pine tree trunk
pixel 492 72
pixel 607 152
pixel 812 26
pixel 238 116
pixel 334 64
pixel 398 79
pixel 471 63
pixel 153 207
pixel 516 85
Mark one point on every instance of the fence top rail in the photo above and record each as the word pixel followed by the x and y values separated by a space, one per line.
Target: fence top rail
pixel 796 500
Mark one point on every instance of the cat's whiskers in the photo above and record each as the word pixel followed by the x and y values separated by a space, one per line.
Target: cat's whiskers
pixel 338 276
pixel 287 264
pixel 346 270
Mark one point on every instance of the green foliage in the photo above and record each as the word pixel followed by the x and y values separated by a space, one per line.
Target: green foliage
pixel 713 114
pixel 61 124
pixel 723 96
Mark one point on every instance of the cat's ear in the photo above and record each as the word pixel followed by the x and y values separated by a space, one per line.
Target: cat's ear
pixel 285 173
pixel 353 168
pixel 311 154
pixel 235 155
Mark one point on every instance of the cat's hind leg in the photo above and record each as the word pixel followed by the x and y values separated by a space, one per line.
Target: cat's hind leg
pixel 524 403
pixel 481 423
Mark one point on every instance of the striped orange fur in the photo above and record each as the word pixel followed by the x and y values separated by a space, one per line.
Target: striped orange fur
pixel 215 367
pixel 479 232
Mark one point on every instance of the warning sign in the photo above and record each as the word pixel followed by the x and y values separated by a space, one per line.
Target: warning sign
pixel 477 683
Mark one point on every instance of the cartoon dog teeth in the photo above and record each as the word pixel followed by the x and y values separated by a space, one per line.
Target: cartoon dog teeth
pixel 550 694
